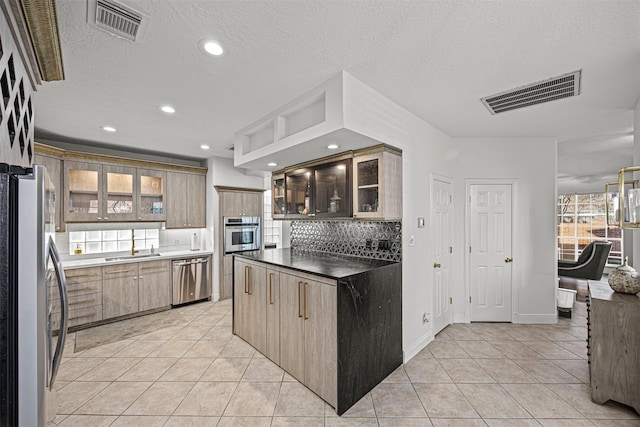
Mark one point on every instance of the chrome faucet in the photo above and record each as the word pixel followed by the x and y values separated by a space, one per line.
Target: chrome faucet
pixel 133 243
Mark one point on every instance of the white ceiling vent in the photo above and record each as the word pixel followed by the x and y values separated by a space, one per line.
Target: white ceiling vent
pixel 117 19
pixel 558 87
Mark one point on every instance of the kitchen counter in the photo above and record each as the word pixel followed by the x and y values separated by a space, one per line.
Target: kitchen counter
pixel 99 262
pixel 325 265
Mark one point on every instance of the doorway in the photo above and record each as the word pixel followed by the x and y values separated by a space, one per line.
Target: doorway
pixel 490 252
pixel 441 230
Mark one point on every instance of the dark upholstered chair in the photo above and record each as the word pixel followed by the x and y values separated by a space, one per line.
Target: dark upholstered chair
pixel 590 263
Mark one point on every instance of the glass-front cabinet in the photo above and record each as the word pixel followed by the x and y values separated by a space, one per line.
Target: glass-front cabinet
pixel 298 198
pixel 83 191
pixel 150 200
pixel 377 184
pixel 120 192
pixel 279 208
pixel 332 192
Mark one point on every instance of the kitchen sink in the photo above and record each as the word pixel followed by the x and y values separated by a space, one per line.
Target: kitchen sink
pixel 128 257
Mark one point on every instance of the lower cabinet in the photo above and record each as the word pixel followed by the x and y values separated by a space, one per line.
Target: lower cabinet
pixel 250 301
pixel 154 284
pixel 84 290
pixel 291 319
pixel 119 290
pixel 308 333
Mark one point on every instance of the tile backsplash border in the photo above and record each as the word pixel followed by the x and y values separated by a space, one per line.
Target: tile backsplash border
pixel 366 239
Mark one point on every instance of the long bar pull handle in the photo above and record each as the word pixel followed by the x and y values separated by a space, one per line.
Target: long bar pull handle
pixel 246 270
pixel 64 312
pixel 81 275
pixel 299 311
pixel 271 288
pixel 305 300
pixel 249 282
pixel 120 271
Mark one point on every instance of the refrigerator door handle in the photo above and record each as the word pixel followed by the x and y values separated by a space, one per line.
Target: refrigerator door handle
pixel 64 310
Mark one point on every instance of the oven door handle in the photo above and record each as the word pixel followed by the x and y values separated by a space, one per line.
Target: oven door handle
pixel 64 310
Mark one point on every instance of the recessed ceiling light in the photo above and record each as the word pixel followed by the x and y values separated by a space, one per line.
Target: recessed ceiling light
pixel 205 147
pixel 109 128
pixel 272 164
pixel 168 109
pixel 333 146
pixel 211 47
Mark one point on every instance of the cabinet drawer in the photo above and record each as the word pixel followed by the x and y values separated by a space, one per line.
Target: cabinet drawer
pixel 153 266
pixel 120 270
pixel 77 289
pixel 80 301
pixel 81 275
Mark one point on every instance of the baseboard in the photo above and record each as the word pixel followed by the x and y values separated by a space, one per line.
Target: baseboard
pixel 417 346
pixel 215 297
pixel 459 318
pixel 536 318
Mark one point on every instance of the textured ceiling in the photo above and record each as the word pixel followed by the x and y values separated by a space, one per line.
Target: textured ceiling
pixel 436 58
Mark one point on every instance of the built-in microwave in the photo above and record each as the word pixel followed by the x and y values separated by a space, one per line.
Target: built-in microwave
pixel 241 233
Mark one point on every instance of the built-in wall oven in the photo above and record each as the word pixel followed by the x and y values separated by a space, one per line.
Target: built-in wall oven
pixel 241 233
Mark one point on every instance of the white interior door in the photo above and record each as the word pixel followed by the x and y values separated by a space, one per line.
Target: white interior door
pixel 490 252
pixel 441 203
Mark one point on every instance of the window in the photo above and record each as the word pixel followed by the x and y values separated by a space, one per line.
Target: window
pixel 581 219
pixel 271 227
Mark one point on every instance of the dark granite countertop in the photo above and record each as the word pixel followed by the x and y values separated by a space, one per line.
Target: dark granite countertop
pixel 326 265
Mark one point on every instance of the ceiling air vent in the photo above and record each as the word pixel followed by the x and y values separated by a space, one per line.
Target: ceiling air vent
pixel 551 89
pixel 117 19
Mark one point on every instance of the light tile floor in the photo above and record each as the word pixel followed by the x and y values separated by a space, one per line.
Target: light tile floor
pixel 199 374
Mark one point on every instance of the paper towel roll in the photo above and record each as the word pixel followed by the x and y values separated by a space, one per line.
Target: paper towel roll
pixel 195 242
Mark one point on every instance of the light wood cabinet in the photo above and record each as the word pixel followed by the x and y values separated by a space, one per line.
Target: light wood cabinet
pixel 150 199
pixel 154 284
pixel 377 184
pixel 241 203
pixel 119 290
pixel 186 200
pixel 308 340
pixel 83 189
pixel 120 191
pixel 227 277
pixel 84 290
pixel 273 315
pixel 249 299
pixel 54 170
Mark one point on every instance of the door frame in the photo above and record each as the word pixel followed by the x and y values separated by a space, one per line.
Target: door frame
pixel 448 180
pixel 467 242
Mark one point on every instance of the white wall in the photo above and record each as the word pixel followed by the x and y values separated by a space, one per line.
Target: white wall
pixel 531 163
pixel 222 172
pixel 634 257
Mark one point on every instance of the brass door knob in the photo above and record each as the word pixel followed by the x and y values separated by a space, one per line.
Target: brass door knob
pixel 508 259
pixel 436 265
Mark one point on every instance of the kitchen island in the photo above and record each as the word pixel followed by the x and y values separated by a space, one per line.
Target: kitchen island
pixel 332 322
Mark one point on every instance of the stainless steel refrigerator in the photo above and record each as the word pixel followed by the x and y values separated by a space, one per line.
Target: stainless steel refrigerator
pixel 29 358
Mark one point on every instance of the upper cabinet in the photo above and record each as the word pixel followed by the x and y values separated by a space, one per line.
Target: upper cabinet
pixel 54 172
pixel 377 184
pixel 151 197
pixel 240 202
pixel 83 189
pixel 186 200
pixel 366 184
pixel 120 191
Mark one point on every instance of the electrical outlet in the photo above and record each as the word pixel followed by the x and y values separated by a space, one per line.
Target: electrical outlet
pixel 177 242
pixel 384 245
pixel 426 317
pixel 368 244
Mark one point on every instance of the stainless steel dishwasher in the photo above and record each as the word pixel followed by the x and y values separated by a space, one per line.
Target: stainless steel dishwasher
pixel 190 280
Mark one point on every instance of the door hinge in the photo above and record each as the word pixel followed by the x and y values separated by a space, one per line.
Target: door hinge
pixel 469 300
pixel 450 300
pixel 469 249
pixel 469 199
pixel 450 198
pixel 450 249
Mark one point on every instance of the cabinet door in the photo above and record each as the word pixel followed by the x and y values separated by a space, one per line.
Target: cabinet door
pixel 291 326
pixel 299 194
pixel 332 189
pixel 82 191
pixel 320 339
pixel 54 169
pixel 240 303
pixel 176 200
pixel 119 291
pixel 273 316
pixel 256 298
pixel 119 191
pixel 367 186
pixel 231 203
pixel 252 204
pixel 278 206
pixel 197 201
pixel 150 198
pixel 154 285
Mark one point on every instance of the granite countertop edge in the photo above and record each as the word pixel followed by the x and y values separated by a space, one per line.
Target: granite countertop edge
pixel 326 265
pixel 101 262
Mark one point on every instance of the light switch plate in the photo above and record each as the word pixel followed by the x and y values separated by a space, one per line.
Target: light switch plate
pixel 421 222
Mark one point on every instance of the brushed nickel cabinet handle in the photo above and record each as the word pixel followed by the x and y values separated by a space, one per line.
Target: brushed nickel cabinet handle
pixel 305 300
pixel 271 288
pixel 299 310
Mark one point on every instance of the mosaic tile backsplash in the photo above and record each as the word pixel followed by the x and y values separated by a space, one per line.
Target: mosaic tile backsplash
pixel 377 240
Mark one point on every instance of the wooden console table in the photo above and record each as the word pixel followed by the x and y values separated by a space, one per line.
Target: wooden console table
pixel 613 322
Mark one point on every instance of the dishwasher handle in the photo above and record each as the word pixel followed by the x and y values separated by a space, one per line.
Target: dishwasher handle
pixel 194 261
